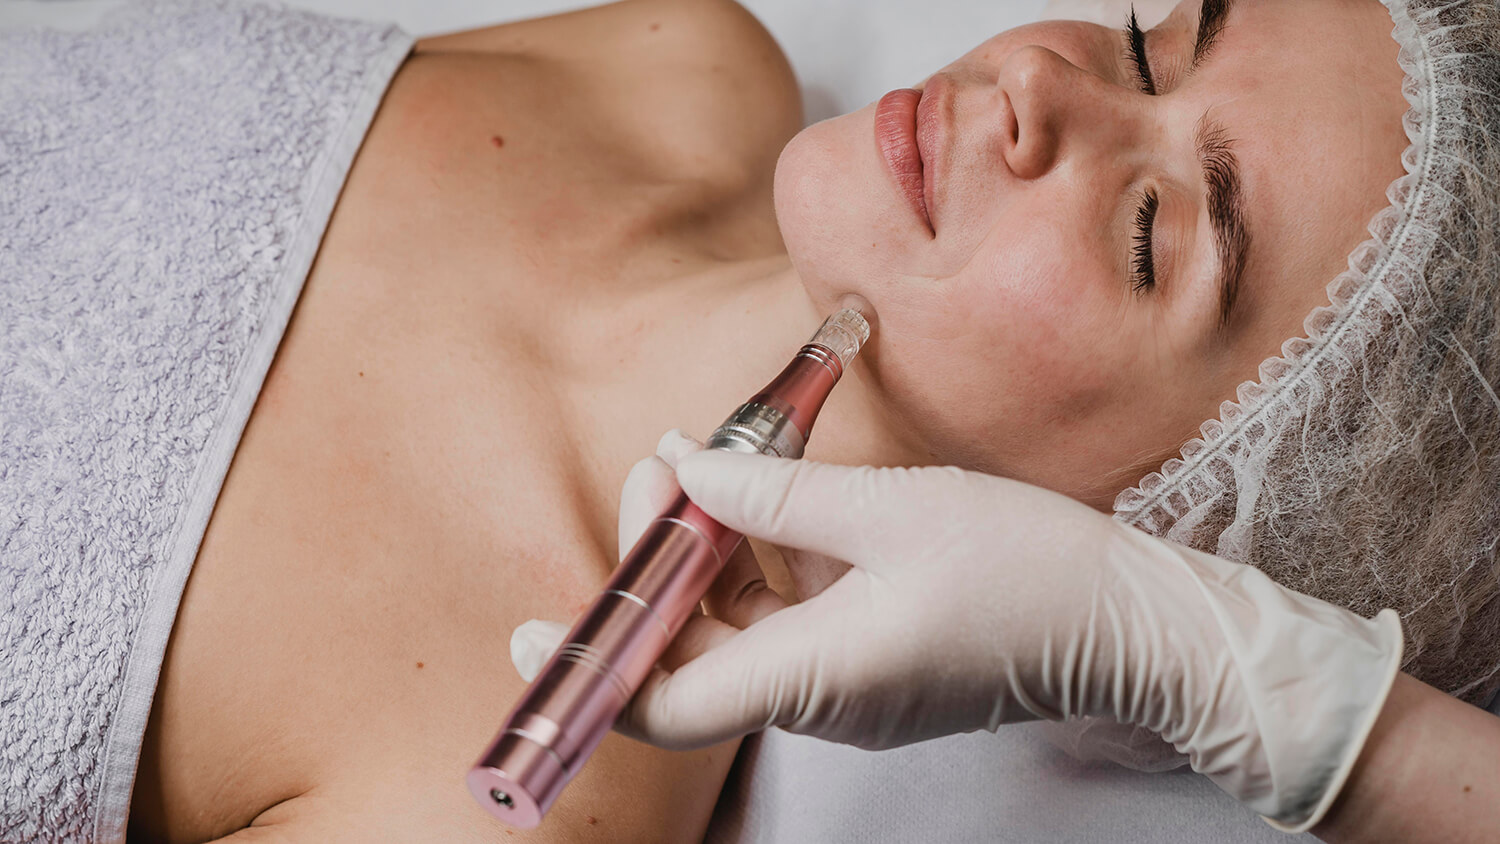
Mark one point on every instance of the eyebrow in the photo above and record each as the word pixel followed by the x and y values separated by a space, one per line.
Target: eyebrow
pixel 1221 172
pixel 1226 210
pixel 1211 17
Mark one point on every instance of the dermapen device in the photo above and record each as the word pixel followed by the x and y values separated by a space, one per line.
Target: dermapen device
pixel 574 701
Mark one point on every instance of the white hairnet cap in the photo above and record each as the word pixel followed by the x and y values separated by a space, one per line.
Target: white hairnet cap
pixel 1363 467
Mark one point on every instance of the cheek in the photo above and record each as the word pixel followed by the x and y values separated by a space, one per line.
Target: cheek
pixel 809 206
pixel 1007 361
pixel 998 345
pixel 840 217
pixel 1050 331
pixel 1032 299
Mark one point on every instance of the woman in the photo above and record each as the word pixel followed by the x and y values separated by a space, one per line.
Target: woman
pixel 544 216
pixel 1361 467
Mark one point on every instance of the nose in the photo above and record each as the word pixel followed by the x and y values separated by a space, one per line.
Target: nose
pixel 1060 109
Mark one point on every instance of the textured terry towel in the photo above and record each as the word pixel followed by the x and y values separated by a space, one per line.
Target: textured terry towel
pixel 165 181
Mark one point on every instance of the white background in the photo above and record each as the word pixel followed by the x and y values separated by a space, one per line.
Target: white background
pixel 845 52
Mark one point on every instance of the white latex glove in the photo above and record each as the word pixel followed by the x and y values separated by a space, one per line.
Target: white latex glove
pixel 975 601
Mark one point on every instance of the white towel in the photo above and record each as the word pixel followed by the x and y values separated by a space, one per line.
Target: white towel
pixel 164 183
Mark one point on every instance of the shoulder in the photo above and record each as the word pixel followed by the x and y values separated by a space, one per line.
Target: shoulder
pixel 689 82
pixel 647 33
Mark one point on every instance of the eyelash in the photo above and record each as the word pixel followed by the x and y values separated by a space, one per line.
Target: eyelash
pixel 1135 41
pixel 1142 261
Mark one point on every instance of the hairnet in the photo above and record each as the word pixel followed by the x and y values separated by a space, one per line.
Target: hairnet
pixel 1361 467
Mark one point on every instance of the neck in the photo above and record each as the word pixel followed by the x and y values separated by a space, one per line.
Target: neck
pixel 687 351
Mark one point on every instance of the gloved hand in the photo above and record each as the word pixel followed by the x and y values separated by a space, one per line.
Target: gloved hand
pixel 974 601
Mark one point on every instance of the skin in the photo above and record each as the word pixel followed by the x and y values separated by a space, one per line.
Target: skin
pixel 478 357
pixel 1022 304
pixel 1024 259
pixel 475 362
pixel 1427 774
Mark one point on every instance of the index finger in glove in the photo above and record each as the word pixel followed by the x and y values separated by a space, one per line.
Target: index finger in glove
pixel 739 595
pixel 757 678
pixel 862 515
pixel 650 487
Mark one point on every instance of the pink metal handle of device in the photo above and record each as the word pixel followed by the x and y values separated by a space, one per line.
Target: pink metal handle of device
pixel 574 701
pixel 583 688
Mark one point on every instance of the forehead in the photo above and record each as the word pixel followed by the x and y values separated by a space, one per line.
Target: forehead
pixel 1309 90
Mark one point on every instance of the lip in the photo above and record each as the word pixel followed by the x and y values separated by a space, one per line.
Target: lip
pixel 896 135
pixel 935 103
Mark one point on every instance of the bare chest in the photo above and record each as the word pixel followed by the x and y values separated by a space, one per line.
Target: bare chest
pixel 408 490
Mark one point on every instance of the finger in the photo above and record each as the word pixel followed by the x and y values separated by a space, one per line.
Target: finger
pixel 649 488
pixel 674 445
pixel 757 678
pixel 812 573
pixel 740 594
pixel 533 643
pixel 699 635
pixel 848 513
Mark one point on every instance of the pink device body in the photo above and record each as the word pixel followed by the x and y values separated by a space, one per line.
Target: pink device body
pixel 573 703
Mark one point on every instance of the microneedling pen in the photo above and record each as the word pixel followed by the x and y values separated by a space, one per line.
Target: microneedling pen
pixel 572 704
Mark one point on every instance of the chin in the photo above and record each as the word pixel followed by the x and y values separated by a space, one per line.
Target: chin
pixel 807 211
pixel 825 188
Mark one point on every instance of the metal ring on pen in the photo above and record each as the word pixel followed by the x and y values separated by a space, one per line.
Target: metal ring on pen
pixel 824 356
pixel 698 533
pixel 588 657
pixel 639 600
pixel 539 742
pixel 755 427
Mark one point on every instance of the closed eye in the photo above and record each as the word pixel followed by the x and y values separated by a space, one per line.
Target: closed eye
pixel 1135 40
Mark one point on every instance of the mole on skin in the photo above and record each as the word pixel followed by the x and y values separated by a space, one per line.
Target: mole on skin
pixel 496 141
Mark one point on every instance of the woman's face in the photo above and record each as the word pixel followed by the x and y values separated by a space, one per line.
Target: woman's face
pixel 1077 265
